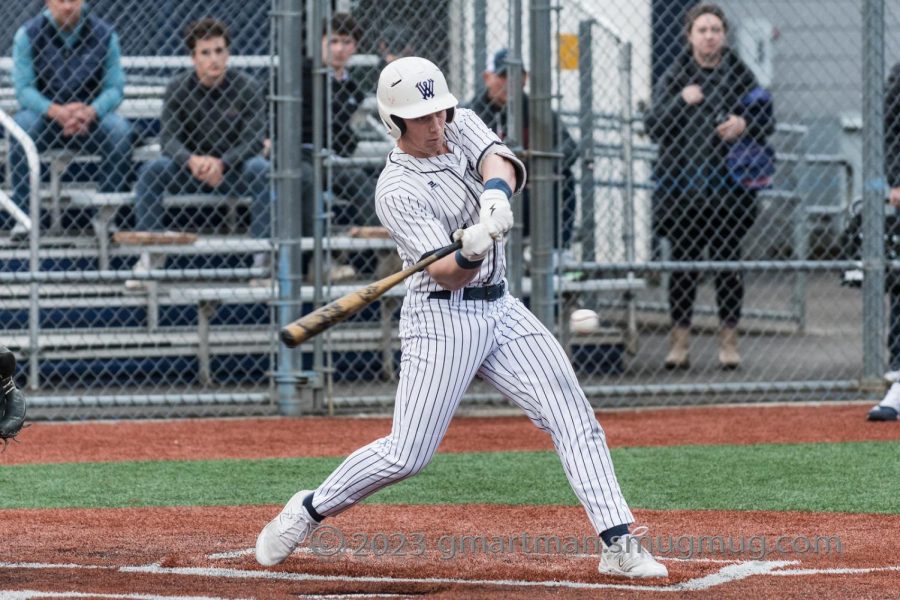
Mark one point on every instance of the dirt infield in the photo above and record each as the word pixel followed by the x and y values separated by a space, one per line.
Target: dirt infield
pixel 189 551
pixel 452 551
pixel 282 438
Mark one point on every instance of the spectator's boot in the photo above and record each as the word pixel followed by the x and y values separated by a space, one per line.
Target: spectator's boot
pixel 679 341
pixel 729 357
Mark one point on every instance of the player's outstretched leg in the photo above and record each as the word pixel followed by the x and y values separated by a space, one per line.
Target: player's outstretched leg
pixel 428 394
pixel 534 372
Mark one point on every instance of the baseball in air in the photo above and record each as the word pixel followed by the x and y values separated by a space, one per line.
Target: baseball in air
pixel 584 320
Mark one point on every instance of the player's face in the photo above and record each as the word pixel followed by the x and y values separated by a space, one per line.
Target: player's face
pixel 65 12
pixel 707 38
pixel 424 136
pixel 210 60
pixel 337 50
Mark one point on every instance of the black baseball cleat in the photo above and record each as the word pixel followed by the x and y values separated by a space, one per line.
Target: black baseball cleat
pixel 882 413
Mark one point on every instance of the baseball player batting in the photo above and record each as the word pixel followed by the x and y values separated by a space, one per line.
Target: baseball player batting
pixel 451 178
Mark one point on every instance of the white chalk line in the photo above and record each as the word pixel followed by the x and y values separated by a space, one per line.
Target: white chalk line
pixel 835 571
pixel 729 573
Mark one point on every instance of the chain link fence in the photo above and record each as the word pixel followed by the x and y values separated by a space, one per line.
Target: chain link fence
pixel 172 198
pixel 682 183
pixel 136 196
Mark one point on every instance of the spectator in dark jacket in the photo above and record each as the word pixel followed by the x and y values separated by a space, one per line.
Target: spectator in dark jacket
pixel 213 124
pixel 69 81
pixel 490 105
pixel 889 407
pixel 354 186
pixel 697 113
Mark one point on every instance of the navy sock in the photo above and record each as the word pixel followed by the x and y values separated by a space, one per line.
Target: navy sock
pixel 307 503
pixel 610 536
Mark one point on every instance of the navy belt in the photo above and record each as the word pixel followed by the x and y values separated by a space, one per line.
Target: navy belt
pixel 488 293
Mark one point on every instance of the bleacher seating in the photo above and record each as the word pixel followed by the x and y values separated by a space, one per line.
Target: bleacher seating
pixel 99 336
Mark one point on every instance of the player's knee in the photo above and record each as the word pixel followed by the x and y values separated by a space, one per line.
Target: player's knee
pixel 408 466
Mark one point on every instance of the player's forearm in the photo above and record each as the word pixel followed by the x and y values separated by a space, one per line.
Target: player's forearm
pixel 495 166
pixel 450 275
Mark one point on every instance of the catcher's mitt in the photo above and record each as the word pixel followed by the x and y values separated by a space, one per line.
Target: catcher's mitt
pixel 12 414
pixel 12 401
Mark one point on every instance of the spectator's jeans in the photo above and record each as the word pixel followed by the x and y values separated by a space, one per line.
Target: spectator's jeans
pixel 716 222
pixel 161 176
pixel 110 138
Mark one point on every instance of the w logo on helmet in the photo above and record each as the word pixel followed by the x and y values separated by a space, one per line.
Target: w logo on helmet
pixel 426 88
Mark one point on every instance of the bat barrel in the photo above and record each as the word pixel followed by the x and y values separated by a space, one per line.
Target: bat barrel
pixel 303 329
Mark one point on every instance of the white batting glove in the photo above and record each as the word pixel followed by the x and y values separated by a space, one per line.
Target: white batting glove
pixel 476 241
pixel 496 213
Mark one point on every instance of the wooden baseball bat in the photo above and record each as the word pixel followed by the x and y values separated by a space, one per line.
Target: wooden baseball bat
pixel 348 305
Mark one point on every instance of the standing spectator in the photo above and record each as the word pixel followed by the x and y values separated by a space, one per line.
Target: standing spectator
pixel 698 113
pixel 889 407
pixel 213 124
pixel 68 80
pixel 490 106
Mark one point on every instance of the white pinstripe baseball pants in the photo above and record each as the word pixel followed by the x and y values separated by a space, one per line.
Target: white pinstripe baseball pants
pixel 445 344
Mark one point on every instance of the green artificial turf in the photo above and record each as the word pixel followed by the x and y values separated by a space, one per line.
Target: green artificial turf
pixel 851 477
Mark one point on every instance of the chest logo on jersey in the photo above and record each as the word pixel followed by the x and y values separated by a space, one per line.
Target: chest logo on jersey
pixel 426 88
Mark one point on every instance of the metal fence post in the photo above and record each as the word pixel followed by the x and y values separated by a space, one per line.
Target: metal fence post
pixel 514 120
pixel 540 147
pixel 873 193
pixel 628 236
pixel 321 119
pixel 287 25
pixel 586 127
pixel 479 46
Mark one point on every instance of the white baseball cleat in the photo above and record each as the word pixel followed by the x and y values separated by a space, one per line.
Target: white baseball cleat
pixel 626 558
pixel 285 532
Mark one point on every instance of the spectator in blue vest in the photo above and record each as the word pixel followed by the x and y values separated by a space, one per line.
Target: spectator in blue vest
pixel 68 80
pixel 213 125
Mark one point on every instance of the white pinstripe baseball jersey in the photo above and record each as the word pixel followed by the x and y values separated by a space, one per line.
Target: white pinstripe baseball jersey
pixel 422 201
pixel 447 342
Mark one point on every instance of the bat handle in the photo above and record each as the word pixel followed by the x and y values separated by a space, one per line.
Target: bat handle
pixel 302 329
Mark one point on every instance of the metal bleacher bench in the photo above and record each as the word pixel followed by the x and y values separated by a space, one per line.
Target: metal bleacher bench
pixel 209 299
pixel 107 205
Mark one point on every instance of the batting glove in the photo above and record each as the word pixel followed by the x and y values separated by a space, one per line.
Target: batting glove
pixel 476 242
pixel 496 213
